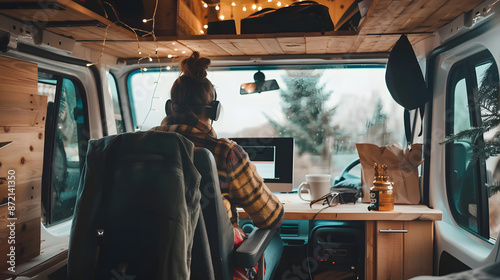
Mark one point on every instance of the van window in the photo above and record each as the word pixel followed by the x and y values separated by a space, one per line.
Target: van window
pixel 327 109
pixel 113 90
pixel 66 137
pixel 470 154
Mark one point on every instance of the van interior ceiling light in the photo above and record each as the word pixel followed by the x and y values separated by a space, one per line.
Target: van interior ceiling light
pixel 259 85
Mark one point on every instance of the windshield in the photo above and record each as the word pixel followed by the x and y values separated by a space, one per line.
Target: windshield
pixel 326 110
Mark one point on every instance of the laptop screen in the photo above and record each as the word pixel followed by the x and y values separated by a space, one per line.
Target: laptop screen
pixel 273 158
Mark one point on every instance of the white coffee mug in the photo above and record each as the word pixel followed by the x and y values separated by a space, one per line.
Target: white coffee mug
pixel 317 185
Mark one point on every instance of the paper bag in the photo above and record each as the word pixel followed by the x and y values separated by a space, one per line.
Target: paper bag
pixel 401 168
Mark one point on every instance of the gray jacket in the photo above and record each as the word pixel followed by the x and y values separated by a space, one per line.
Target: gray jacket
pixel 137 208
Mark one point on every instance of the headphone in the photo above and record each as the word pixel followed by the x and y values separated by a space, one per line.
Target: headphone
pixel 213 109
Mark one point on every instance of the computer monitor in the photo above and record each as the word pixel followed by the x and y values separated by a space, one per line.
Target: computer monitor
pixel 273 158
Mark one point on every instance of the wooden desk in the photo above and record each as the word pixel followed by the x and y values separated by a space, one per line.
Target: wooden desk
pixel 398 243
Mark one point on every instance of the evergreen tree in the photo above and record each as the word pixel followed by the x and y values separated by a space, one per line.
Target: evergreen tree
pixel 308 120
pixel 486 99
pixel 378 117
pixel 376 127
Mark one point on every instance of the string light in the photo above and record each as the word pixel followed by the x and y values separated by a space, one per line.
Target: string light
pixel 202 32
pixel 221 17
pixel 205 26
pixel 254 6
pixel 148 56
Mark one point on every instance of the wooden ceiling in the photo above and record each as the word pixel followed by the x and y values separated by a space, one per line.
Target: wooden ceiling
pixel 380 29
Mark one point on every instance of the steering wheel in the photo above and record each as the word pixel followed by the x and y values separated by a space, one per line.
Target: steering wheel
pixel 347 180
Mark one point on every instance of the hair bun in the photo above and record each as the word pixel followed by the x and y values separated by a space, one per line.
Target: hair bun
pixel 195 66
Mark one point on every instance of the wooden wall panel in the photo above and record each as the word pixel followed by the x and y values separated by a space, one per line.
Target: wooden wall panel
pixel 27 235
pixel 191 13
pixel 17 76
pixel 22 122
pixel 25 153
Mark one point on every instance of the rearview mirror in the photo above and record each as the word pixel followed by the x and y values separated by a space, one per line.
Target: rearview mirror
pixel 259 87
pixel 260 84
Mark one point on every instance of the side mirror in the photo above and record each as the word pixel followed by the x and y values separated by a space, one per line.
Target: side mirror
pixel 259 85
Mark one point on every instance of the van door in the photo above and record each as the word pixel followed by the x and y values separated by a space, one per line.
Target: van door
pixel 463 172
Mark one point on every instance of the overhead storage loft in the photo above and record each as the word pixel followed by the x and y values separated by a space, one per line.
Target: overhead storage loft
pixel 179 23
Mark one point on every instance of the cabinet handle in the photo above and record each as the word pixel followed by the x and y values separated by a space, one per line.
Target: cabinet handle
pixel 393 231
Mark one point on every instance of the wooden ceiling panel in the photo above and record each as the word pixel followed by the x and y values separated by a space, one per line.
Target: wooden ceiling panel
pixel 271 45
pixel 228 46
pixel 419 15
pixel 410 16
pixel 147 49
pixel 411 9
pixel 293 45
pixel 340 44
pixel 385 20
pixel 123 49
pixel 42 16
pixel 173 48
pixel 90 33
pixel 317 45
pixel 449 11
pixel 382 15
pixel 249 46
pixel 205 47
pixel 377 43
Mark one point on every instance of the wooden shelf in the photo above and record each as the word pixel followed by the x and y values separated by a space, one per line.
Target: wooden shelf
pixel 380 29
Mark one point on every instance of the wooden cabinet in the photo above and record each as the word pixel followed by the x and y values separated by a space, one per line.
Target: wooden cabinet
pixel 398 243
pixel 398 249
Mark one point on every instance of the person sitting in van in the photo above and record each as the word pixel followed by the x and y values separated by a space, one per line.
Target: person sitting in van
pixel 193 106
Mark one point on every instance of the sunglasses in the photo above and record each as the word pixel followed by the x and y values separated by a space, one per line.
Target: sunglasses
pixel 331 199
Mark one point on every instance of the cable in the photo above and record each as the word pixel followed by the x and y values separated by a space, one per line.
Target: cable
pixel 152 100
pixel 309 242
